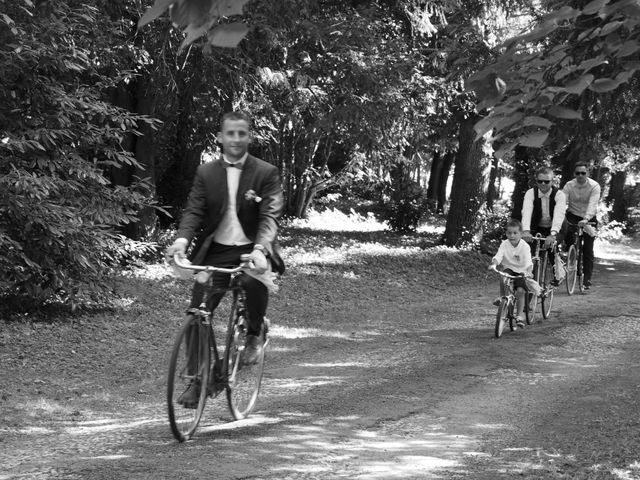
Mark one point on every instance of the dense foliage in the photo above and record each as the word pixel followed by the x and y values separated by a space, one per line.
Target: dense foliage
pixel 59 138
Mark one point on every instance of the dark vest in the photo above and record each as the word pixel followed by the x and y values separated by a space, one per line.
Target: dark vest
pixel 537 207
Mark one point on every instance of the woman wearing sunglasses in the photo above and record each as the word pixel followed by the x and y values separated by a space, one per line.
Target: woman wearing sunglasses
pixel 583 195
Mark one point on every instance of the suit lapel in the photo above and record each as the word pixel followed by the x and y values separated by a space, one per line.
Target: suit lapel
pixel 220 181
pixel 246 179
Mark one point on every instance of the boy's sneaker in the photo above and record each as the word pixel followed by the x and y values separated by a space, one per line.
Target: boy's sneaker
pixel 519 322
pixel 497 301
pixel 587 284
pixel 555 282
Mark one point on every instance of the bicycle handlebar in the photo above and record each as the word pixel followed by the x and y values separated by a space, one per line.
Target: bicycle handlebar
pixel 180 262
pixel 506 275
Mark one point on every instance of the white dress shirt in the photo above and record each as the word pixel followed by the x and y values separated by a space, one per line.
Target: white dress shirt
pixel 230 232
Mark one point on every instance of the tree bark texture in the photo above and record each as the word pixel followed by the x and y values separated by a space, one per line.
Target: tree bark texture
pixel 441 190
pixel 468 191
pixel 522 164
pixel 615 198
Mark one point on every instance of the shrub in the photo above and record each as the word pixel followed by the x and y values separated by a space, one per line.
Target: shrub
pixel 59 214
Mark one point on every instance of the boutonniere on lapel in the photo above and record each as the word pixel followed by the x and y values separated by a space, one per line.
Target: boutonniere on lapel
pixel 251 195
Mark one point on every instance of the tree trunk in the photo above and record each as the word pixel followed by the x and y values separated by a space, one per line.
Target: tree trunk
pixel 492 191
pixel 434 178
pixel 615 198
pixel 468 191
pixel 445 171
pixel 521 179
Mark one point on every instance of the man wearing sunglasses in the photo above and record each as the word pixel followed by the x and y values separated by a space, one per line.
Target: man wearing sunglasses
pixel 583 195
pixel 543 209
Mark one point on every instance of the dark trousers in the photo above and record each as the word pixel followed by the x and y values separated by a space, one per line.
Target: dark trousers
pixel 545 232
pixel 257 293
pixel 587 243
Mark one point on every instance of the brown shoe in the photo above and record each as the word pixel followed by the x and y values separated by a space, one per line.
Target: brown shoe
pixel 252 350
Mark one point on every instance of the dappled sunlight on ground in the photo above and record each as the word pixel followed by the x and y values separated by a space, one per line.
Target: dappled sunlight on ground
pixel 293 332
pixel 335 220
pixel 628 252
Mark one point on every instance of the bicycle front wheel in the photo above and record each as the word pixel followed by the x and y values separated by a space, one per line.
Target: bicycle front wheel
pixel 572 269
pixel 243 381
pixel 501 317
pixel 547 289
pixel 188 372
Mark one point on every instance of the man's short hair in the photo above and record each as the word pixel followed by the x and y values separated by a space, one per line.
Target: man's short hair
pixel 582 164
pixel 544 171
pixel 235 115
pixel 513 223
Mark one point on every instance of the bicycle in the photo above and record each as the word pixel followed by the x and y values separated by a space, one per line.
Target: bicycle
pixel 507 307
pixel 574 263
pixel 210 369
pixel 543 274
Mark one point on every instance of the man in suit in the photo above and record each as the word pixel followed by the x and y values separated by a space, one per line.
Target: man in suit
pixel 233 209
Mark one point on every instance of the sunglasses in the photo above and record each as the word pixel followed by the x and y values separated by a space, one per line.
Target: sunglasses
pixel 580 173
pixel 544 181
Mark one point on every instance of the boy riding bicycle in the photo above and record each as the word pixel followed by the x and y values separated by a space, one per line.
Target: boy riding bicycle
pixel 514 256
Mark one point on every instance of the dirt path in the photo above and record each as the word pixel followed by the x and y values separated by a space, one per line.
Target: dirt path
pixel 417 388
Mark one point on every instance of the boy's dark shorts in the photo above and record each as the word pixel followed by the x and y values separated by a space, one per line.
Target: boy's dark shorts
pixel 517 282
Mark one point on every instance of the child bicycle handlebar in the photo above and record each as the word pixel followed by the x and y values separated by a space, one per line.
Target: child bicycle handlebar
pixel 506 275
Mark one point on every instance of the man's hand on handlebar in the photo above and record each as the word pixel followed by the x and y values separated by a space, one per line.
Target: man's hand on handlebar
pixel 179 246
pixel 549 241
pixel 259 261
pixel 526 236
pixel 583 222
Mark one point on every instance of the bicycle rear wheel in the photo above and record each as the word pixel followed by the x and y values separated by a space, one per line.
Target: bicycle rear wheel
pixel 188 370
pixel 547 289
pixel 572 269
pixel 243 381
pixel 501 317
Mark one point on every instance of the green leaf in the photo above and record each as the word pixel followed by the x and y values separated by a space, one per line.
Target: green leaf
pixel 502 151
pixel 228 8
pixel 624 77
pixel 610 27
pixel 602 85
pixel 563 112
pixel 587 65
pixel 534 140
pixel 629 47
pixel 537 121
pixel 579 85
pixel 228 35
pixel 154 12
pixel 594 6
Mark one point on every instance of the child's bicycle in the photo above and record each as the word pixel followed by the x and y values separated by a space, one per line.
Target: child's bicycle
pixel 575 268
pixel 197 360
pixel 507 308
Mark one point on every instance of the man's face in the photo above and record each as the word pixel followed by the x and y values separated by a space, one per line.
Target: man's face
pixel 235 138
pixel 581 175
pixel 544 181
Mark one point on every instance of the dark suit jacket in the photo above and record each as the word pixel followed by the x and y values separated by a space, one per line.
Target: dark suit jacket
pixel 208 201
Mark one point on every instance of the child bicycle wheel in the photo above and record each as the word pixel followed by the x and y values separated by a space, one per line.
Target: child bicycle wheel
pixel 502 316
pixel 243 381
pixel 188 372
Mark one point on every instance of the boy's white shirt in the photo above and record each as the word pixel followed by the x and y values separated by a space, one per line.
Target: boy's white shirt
pixel 516 258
